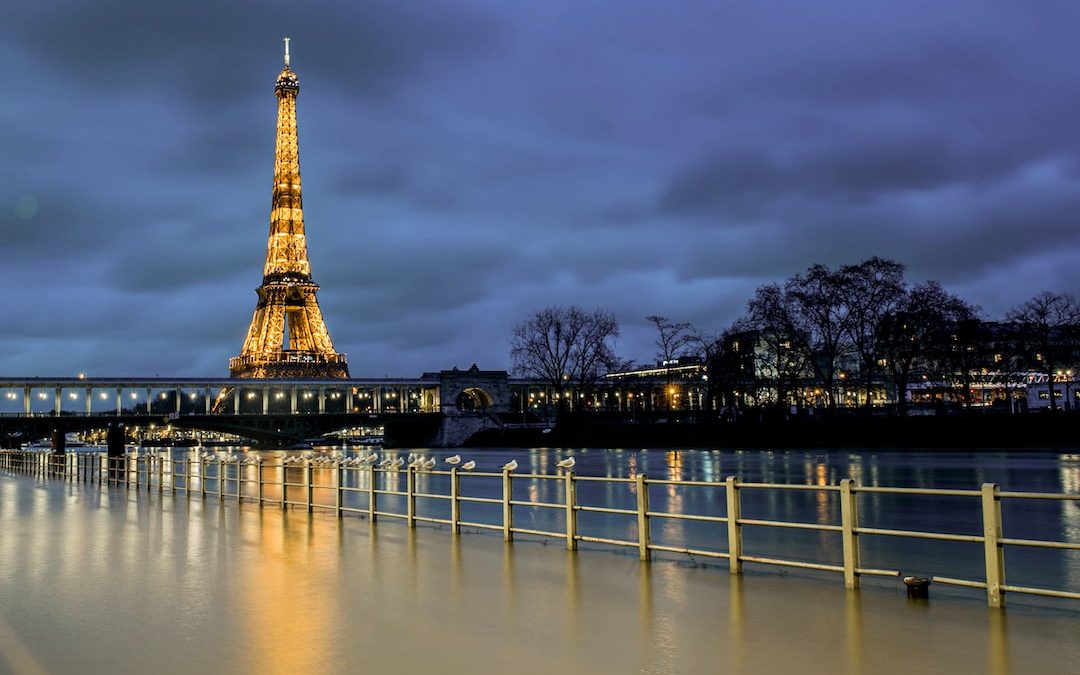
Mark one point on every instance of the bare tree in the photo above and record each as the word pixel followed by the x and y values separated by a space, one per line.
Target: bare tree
pixel 820 309
pixel 565 346
pixel 916 337
pixel 782 350
pixel 1049 321
pixel 673 341
pixel 871 290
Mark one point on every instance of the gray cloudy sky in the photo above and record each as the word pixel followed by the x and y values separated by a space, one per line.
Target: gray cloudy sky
pixel 468 162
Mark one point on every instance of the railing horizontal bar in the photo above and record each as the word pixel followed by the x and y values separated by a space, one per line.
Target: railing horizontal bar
pixel 790 526
pixel 688 551
pixel 878 573
pixel 916 491
pixel 1039 495
pixel 429 495
pixel 687 516
pixel 602 540
pixel 1038 543
pixel 605 509
pixel 481 474
pixel 541 533
pixel 790 486
pixel 350 509
pixel 1040 591
pixel 546 505
pixel 388 514
pixel 482 526
pixel 399 493
pixel 603 479
pixel 791 563
pixel 688 483
pixel 429 519
pixel 480 500
pixel 958 582
pixel 920 535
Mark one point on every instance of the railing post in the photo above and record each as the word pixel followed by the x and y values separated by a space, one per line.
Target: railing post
pixel 339 474
pixel 995 560
pixel 849 521
pixel 258 480
pixel 239 482
pixel 643 528
pixel 220 481
pixel 284 476
pixel 371 505
pixel 455 504
pixel 202 476
pixel 161 473
pixel 410 496
pixel 307 482
pixel 734 530
pixel 508 508
pixel 187 476
pixel 571 512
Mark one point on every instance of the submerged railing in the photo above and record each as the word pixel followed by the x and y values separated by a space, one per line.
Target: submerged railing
pixel 192 475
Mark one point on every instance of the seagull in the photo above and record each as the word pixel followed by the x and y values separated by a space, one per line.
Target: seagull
pixel 511 465
pixel 372 457
pixel 385 463
pixel 469 465
pixel 429 464
pixel 454 460
pixel 397 463
pixel 567 463
pixel 412 457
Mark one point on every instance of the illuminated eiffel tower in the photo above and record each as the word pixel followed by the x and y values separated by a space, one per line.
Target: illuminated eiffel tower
pixel 287 337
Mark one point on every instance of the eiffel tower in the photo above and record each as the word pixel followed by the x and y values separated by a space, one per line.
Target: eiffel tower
pixel 287 337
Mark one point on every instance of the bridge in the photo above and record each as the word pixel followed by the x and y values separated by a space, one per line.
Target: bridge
pixel 439 408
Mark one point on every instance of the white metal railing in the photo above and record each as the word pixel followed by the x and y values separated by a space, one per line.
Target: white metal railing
pixel 192 475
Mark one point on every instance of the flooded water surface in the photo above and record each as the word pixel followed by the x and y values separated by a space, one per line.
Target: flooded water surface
pixel 104 580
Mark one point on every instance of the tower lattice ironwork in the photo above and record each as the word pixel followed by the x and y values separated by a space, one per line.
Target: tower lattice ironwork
pixel 287 337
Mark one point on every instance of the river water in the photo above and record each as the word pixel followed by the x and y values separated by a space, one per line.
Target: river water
pixel 103 579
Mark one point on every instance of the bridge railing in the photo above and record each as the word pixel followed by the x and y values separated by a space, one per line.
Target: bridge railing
pixel 328 484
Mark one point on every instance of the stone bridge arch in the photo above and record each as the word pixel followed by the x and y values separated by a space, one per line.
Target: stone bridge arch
pixel 473 391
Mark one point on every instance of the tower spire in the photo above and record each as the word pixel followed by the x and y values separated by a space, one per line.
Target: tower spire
pixel 287 336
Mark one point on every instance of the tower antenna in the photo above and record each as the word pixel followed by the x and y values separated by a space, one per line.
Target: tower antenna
pixel 286 52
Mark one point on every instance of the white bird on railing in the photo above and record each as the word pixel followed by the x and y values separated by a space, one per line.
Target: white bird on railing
pixel 397 463
pixel 429 465
pixel 385 463
pixel 511 465
pixel 372 457
pixel 412 457
pixel 469 465
pixel 453 460
pixel 567 463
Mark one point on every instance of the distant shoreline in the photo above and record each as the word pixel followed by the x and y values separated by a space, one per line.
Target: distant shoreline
pixel 1042 432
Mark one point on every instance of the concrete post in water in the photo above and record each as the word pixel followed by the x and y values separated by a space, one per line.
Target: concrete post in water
pixel 284 476
pixel 849 522
pixel 995 559
pixel 571 511
pixel 339 473
pixel 410 495
pixel 508 508
pixel 643 528
pixel 455 503
pixel 734 530
pixel 371 494
pixel 307 483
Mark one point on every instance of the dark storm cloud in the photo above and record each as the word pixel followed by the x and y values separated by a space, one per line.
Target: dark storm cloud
pixel 466 163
